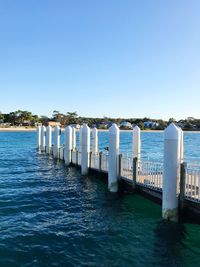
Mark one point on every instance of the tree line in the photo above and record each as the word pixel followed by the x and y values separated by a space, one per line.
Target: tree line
pixel 23 117
pixel 19 117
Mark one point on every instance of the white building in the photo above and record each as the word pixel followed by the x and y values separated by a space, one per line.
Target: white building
pixel 150 124
pixel 126 124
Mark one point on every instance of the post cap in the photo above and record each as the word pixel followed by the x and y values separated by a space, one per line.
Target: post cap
pixel 136 129
pixel 172 132
pixel 114 129
pixel 85 128
pixel 95 130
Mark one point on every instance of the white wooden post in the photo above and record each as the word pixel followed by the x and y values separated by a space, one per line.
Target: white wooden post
pixel 61 155
pixel 56 145
pixel 95 141
pixel 172 140
pixel 113 158
pixel 68 145
pixel 80 138
pixel 48 140
pixel 85 149
pixel 73 138
pixel 136 149
pixel 43 138
pixel 39 138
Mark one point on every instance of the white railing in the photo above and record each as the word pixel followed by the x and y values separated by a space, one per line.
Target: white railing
pixel 104 162
pixel 94 161
pixel 192 183
pixel 126 168
pixel 150 174
pixel 147 173
pixel 74 157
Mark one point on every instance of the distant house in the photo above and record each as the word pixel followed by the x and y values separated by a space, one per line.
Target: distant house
pixel 52 123
pixel 33 123
pixel 5 124
pixel 126 125
pixel 150 124
pixel 26 123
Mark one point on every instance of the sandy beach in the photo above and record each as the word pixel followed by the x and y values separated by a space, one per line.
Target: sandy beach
pixel 18 129
pixel 33 129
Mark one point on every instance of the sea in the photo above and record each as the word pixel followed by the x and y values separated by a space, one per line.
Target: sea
pixel 50 215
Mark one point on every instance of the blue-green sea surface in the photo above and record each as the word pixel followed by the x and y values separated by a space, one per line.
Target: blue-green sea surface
pixel 52 216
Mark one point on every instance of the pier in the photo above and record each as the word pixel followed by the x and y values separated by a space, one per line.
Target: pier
pixel 173 182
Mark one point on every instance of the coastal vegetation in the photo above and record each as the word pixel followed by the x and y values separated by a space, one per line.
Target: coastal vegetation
pixel 26 118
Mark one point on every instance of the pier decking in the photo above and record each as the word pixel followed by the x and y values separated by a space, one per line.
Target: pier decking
pixel 136 172
pixel 149 173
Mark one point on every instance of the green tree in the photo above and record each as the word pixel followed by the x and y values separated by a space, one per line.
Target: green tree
pixel 188 126
pixel 71 118
pixel 141 125
pixel 57 116
pixel 12 117
pixel 20 116
pixel 43 119
pixel 171 120
pixel 1 116
pixel 25 116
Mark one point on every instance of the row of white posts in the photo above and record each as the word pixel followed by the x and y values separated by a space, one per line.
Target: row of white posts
pixel 173 156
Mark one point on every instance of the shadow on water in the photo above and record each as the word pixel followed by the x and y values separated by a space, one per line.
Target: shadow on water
pixel 177 244
pixel 169 243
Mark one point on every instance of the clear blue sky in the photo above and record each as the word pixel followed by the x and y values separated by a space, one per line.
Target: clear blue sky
pixel 101 57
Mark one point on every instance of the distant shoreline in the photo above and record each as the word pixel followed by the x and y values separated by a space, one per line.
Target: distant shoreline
pixel 24 129
pixel 17 129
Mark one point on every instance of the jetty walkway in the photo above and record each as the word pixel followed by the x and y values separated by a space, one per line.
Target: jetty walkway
pixel 174 182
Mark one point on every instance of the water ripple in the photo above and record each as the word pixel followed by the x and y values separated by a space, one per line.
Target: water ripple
pixel 52 216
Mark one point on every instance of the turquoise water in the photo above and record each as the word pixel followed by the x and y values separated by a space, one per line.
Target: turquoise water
pixel 51 216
